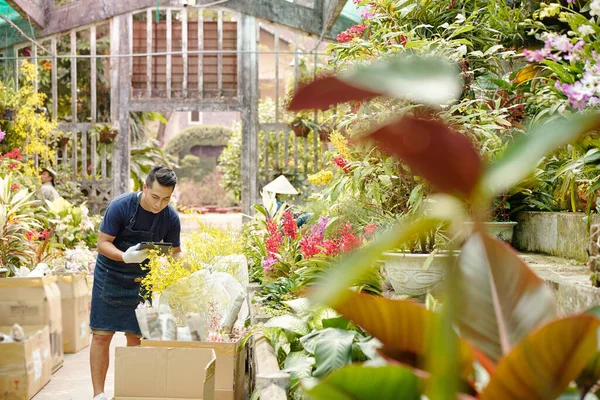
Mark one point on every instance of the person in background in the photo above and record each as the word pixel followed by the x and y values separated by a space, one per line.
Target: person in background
pixel 271 197
pixel 47 190
pixel 130 219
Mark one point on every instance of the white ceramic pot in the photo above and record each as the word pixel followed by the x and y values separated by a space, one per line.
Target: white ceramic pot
pixel 407 276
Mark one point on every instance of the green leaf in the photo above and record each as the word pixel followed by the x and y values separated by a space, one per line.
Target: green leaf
pixel 289 323
pixel 310 341
pixel 299 305
pixel 333 352
pixel 339 322
pixel 523 155
pixel 501 299
pixel 427 80
pixel 299 364
pixel 559 70
pixel 321 314
pixel 362 383
pixel 543 364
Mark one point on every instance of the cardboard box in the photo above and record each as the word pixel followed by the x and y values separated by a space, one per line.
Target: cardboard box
pixel 76 303
pixel 231 365
pixel 34 301
pixel 25 366
pixel 165 373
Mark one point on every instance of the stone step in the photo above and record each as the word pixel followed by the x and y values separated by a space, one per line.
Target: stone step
pixel 569 279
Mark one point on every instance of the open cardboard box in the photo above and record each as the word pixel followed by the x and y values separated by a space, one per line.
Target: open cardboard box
pixel 164 373
pixel 34 301
pixel 25 366
pixel 76 303
pixel 231 365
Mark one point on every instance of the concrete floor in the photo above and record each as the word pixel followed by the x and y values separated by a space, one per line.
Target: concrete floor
pixel 73 382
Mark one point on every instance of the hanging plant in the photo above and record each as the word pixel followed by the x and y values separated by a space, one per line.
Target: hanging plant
pixel 324 131
pixel 301 126
pixel 105 134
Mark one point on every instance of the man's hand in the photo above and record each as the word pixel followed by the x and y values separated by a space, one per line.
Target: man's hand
pixel 135 256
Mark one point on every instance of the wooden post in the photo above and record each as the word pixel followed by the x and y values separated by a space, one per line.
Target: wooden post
pixel 73 78
pixel 249 66
pixel 219 54
pixel 54 78
pixel 200 55
pixel 149 23
pixel 121 98
pixel 184 50
pixel 169 50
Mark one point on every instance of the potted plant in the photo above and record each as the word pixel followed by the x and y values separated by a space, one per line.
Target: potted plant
pixel 105 134
pixel 301 126
pixel 324 131
pixel 63 138
pixel 501 227
pixel 419 267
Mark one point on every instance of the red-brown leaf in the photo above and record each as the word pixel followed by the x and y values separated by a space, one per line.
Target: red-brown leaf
pixel 324 92
pixel 431 149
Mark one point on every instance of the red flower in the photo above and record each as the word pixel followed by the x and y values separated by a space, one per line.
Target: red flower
pixel 331 248
pixel 403 40
pixel 289 225
pixel 32 235
pixel 348 240
pixel 370 229
pixel 310 245
pixel 44 235
pixel 14 187
pixel 343 164
pixel 15 154
pixel 12 165
pixel 275 238
pixel 351 33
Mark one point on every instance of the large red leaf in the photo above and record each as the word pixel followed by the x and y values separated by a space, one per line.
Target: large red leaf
pixel 405 328
pixel 324 92
pixel 501 299
pixel 543 364
pixel 431 149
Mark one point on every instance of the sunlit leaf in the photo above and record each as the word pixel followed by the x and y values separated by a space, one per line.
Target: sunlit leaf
pixel 527 73
pixel 332 353
pixel 289 323
pixel 431 149
pixel 427 80
pixel 522 156
pixel 591 374
pixel 405 328
pixel 366 383
pixel 543 364
pixel 501 300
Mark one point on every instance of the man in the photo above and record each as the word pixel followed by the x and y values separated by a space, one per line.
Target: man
pixel 47 190
pixel 129 220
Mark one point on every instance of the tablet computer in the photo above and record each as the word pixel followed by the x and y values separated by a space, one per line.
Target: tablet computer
pixel 163 248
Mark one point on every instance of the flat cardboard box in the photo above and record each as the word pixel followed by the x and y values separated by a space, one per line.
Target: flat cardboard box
pixel 34 301
pixel 76 303
pixel 231 365
pixel 165 373
pixel 25 366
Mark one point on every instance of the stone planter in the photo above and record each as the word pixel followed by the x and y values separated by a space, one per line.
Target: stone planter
pixel 501 230
pixel 407 276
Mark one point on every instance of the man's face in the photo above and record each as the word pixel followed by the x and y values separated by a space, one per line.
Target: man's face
pixel 157 197
pixel 45 177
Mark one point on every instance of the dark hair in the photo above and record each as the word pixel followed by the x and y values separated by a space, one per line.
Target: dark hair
pixel 51 175
pixel 165 176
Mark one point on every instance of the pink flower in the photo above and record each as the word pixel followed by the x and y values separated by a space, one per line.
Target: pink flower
pixel 2 135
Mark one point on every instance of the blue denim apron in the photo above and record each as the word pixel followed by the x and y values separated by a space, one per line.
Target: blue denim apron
pixel 116 291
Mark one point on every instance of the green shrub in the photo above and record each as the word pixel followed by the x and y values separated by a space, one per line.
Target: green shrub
pixel 196 168
pixel 202 135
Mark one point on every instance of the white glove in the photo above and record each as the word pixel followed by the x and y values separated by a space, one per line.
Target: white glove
pixel 135 256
